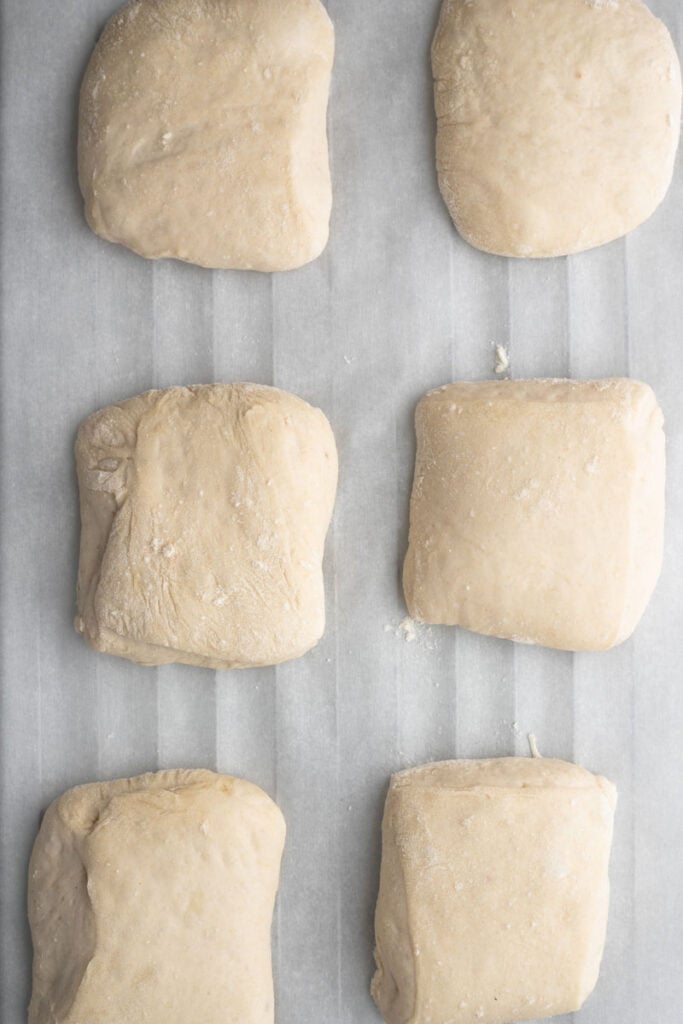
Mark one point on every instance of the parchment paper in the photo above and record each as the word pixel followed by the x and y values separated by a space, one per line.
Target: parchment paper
pixel 397 304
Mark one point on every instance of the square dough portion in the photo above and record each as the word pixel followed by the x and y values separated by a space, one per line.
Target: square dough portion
pixel 557 120
pixel 493 891
pixel 203 519
pixel 537 509
pixel 202 131
pixel 150 899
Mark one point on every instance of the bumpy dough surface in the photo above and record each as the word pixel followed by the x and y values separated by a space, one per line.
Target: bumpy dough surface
pixel 203 519
pixel 202 131
pixel 557 120
pixel 151 898
pixel 537 510
pixel 493 891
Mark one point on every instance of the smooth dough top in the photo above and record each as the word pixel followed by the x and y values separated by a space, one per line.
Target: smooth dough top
pixel 150 899
pixel 557 120
pixel 537 509
pixel 493 891
pixel 203 519
pixel 202 131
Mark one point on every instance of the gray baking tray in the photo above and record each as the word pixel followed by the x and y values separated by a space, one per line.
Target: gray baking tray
pixel 397 304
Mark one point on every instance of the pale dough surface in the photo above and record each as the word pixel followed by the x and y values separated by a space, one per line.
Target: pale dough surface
pixel 537 509
pixel 557 120
pixel 493 891
pixel 203 519
pixel 202 131
pixel 151 898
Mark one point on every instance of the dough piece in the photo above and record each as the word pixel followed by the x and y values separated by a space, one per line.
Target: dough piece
pixel 203 519
pixel 150 899
pixel 557 120
pixel 202 131
pixel 493 891
pixel 537 510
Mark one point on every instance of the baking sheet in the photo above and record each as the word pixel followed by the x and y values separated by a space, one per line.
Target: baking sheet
pixel 397 304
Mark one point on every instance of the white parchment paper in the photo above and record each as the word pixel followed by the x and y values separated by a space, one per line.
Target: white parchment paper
pixel 397 304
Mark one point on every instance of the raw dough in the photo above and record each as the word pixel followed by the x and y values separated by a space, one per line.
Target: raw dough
pixel 150 899
pixel 557 120
pixel 203 519
pixel 537 509
pixel 202 131
pixel 493 891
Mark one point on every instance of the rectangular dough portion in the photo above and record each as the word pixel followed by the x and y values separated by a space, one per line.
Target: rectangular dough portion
pixel 204 512
pixel 493 891
pixel 150 900
pixel 537 509
pixel 202 131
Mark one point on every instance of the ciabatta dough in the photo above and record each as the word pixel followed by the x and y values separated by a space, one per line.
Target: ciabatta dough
pixel 202 131
pixel 203 519
pixel 493 891
pixel 537 509
pixel 557 120
pixel 150 899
